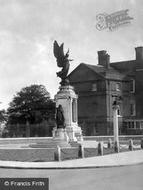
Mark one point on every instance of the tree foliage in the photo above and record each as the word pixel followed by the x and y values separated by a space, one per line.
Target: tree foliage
pixel 3 116
pixel 32 104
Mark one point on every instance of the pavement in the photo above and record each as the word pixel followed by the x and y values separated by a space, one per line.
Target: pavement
pixel 111 160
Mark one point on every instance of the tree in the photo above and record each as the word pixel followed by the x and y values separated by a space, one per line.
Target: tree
pixel 32 104
pixel 3 119
pixel 3 116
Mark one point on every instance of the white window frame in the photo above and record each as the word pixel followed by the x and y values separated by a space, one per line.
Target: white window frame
pixel 118 86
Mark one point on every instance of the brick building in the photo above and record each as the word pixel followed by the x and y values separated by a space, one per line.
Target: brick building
pixel 99 85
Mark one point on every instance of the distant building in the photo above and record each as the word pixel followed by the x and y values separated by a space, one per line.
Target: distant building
pixel 98 86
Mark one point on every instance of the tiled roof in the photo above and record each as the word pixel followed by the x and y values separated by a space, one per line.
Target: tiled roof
pixel 96 68
pixel 124 66
pixel 116 71
pixel 109 73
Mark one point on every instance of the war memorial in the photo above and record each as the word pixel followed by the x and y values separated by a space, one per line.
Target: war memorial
pixel 66 101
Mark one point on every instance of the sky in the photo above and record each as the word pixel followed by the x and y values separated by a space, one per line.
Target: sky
pixel 28 29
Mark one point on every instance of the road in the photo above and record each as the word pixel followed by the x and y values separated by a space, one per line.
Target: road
pixel 114 178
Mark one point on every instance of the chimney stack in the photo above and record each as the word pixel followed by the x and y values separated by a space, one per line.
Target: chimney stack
pixel 139 53
pixel 103 59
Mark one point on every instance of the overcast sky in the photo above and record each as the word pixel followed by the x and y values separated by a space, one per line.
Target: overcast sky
pixel 28 29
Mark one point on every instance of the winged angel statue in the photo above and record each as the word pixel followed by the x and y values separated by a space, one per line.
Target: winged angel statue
pixel 62 61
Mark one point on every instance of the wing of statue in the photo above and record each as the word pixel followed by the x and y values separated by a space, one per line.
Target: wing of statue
pixel 59 53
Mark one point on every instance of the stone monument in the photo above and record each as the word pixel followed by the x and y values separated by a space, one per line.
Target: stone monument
pixel 66 101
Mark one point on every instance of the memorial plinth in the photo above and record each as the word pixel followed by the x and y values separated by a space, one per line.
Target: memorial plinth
pixel 68 99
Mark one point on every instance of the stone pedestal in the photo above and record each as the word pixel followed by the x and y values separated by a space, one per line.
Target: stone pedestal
pixel 68 99
pixel 60 134
pixel 60 138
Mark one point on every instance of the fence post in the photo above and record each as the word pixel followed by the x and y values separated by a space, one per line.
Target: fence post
pixel 58 154
pixel 109 143
pixel 116 147
pixel 100 148
pixel 141 143
pixel 130 144
pixel 81 151
pixel 27 129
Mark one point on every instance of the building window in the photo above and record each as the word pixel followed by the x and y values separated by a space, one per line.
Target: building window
pixel 94 87
pixel 118 86
pixel 132 109
pixel 132 86
pixel 134 124
pixel 131 125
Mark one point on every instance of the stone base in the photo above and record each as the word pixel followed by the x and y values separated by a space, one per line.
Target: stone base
pixel 74 133
pixel 60 134
pixel 60 137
